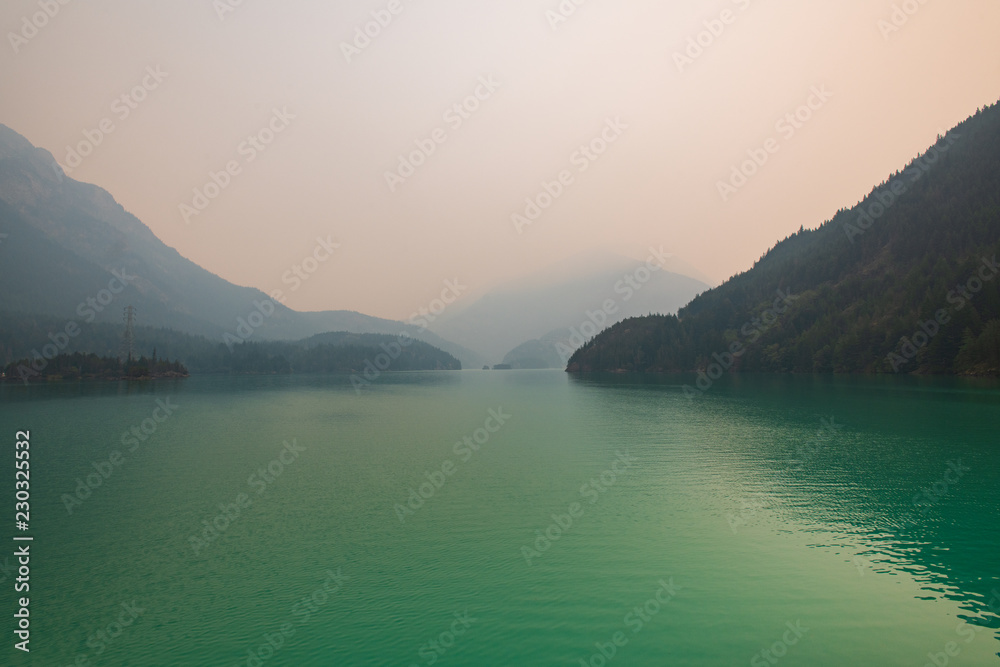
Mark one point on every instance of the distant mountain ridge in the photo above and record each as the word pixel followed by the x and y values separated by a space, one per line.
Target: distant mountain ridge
pixel 905 281
pixel 64 238
pixel 550 308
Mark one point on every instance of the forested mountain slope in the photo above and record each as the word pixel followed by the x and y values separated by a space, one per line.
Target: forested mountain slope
pixel 905 281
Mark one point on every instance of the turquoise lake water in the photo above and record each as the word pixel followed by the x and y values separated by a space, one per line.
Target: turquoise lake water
pixel 509 518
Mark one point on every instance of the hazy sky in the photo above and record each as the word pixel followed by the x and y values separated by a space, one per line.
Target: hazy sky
pixel 678 127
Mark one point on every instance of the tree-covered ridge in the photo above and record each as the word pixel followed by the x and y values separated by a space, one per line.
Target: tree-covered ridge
pixel 81 366
pixel 31 336
pixel 906 281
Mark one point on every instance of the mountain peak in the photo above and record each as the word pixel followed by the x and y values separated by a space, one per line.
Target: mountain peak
pixel 904 281
pixel 83 236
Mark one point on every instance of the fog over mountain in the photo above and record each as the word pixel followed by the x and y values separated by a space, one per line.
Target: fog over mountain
pixel 72 250
pixel 902 282
pixel 585 294
pixel 262 117
pixel 88 241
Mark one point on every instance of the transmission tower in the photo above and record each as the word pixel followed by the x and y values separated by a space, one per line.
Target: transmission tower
pixel 128 338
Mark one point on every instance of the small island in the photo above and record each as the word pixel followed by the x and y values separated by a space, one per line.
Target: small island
pixel 80 366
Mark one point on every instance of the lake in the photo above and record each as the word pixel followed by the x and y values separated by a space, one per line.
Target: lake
pixel 510 518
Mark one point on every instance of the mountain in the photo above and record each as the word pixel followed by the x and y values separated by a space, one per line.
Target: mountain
pixel 568 303
pixel 26 358
pixel 83 238
pixel 549 351
pixel 905 281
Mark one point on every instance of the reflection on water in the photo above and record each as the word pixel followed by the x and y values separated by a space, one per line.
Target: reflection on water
pixel 898 473
pixel 865 510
